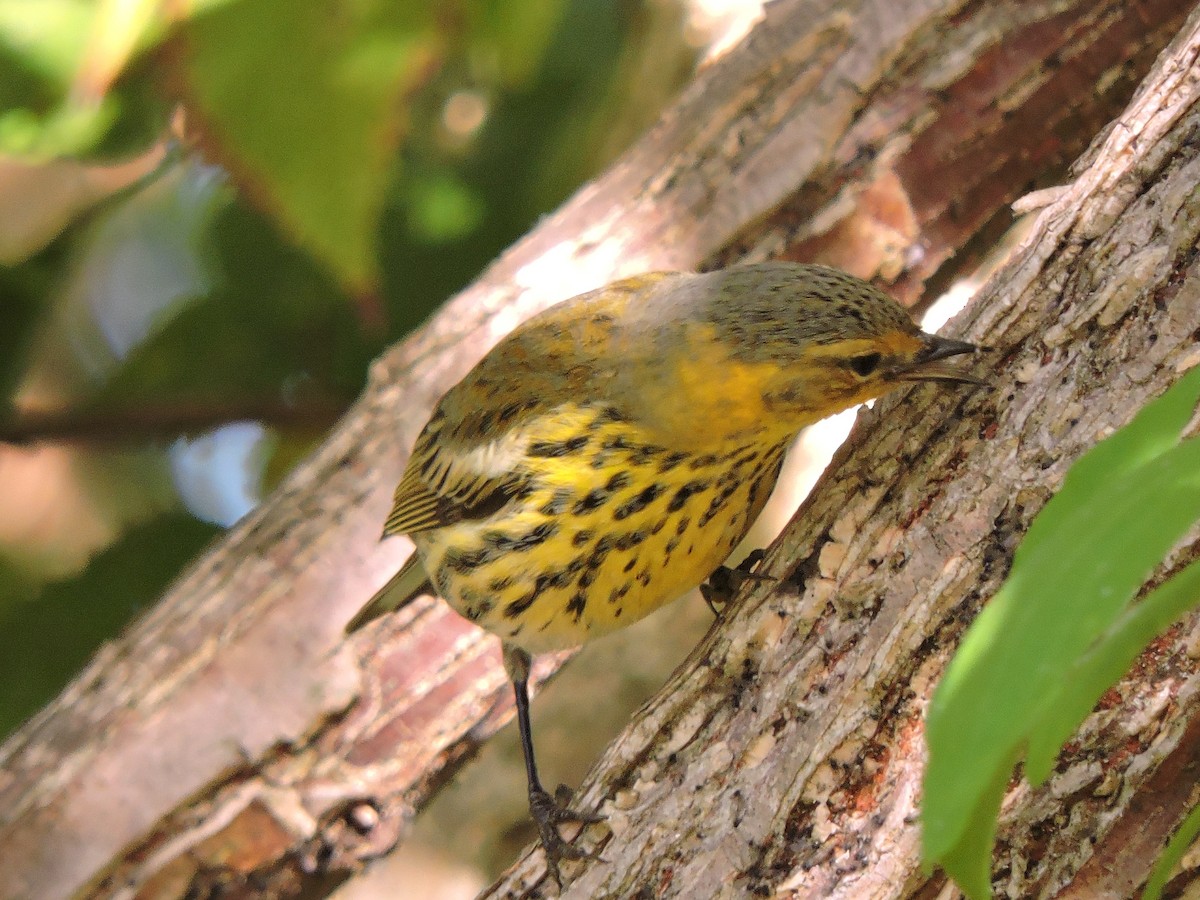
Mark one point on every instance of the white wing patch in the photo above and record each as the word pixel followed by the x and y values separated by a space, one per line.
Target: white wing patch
pixel 496 458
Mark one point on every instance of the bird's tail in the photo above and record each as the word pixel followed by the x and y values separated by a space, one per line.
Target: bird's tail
pixel 410 582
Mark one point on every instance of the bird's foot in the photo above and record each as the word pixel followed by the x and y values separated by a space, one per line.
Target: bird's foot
pixel 725 582
pixel 548 813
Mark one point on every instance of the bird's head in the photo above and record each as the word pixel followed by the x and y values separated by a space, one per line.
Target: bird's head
pixel 823 340
pixel 788 344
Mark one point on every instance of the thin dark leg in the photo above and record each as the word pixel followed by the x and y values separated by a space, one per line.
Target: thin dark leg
pixel 546 812
pixel 521 690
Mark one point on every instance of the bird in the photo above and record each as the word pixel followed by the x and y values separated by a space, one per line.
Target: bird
pixel 606 456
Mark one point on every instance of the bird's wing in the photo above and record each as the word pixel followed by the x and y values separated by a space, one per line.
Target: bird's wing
pixel 407 584
pixel 448 481
pixel 467 462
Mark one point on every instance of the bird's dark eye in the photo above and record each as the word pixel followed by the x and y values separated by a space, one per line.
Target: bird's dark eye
pixel 865 364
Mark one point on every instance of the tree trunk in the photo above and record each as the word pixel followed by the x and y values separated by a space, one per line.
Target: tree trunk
pixel 233 740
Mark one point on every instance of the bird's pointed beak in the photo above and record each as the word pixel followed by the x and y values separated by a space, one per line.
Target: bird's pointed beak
pixel 931 363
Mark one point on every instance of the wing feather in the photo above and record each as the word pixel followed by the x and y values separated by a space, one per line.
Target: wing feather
pixel 407 584
pixel 459 469
pixel 444 483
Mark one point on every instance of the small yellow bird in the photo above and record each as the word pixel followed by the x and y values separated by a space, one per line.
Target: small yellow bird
pixel 606 456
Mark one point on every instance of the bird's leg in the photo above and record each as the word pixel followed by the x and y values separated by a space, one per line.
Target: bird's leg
pixel 724 583
pixel 547 812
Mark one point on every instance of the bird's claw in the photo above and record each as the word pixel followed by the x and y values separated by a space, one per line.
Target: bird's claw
pixel 725 582
pixel 548 813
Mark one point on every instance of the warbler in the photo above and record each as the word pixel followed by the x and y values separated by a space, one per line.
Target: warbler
pixel 607 455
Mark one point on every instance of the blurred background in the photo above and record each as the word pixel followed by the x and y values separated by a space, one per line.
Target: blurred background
pixel 214 215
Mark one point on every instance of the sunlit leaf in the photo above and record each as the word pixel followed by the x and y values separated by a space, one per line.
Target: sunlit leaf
pixel 303 103
pixel 1105 662
pixel 58 62
pixel 47 36
pixel 118 29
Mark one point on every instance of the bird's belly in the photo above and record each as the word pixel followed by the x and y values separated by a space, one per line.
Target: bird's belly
pixel 562 567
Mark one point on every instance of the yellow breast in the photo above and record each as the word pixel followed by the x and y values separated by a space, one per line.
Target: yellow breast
pixel 612 527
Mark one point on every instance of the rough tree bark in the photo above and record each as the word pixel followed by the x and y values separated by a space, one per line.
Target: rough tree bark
pixel 232 739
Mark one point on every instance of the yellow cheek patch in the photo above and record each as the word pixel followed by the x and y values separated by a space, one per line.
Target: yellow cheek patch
pixel 713 394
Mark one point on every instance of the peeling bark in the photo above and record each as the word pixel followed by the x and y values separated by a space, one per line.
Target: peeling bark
pixel 232 739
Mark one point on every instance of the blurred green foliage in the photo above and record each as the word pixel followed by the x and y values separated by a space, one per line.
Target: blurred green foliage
pixel 304 183
pixel 1181 842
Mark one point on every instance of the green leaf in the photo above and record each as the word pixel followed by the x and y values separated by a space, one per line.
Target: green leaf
pixel 23 290
pixel 58 63
pixel 1103 665
pixel 969 860
pixel 442 207
pixel 515 36
pixel 41 45
pixel 1179 844
pixel 1121 508
pixel 303 104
